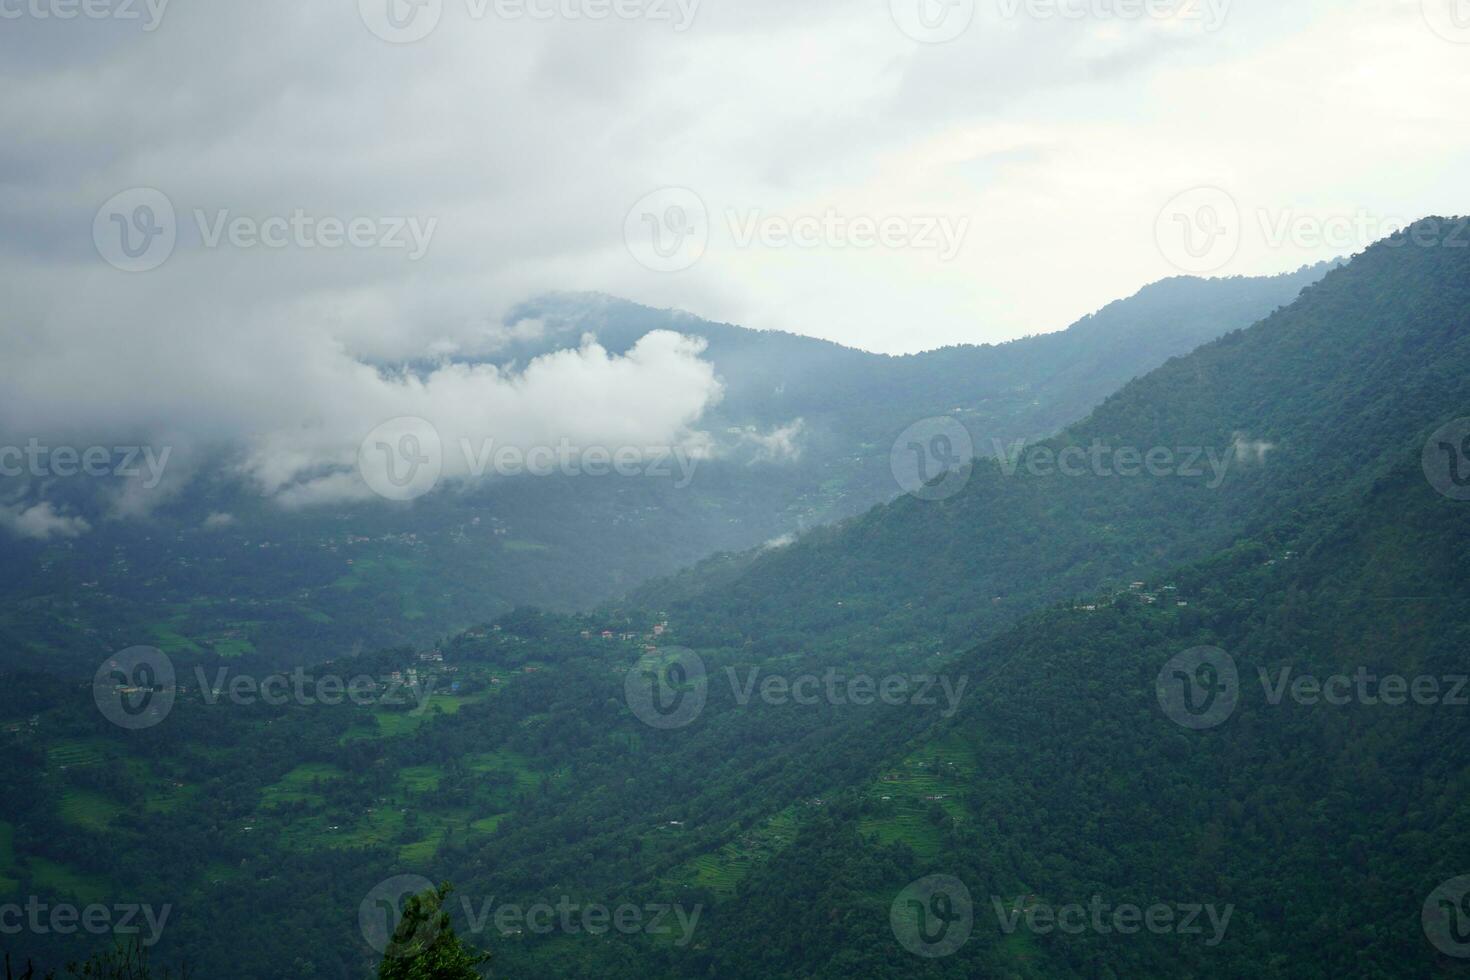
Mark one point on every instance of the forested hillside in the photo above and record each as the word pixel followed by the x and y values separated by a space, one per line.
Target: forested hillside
pixel 1258 427
pixel 1039 628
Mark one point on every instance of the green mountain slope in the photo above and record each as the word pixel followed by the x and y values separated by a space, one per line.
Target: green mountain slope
pixel 1052 776
pixel 1310 404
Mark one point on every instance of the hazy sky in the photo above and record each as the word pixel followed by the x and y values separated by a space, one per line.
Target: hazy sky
pixel 214 213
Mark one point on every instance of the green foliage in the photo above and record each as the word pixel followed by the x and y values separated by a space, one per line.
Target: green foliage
pixel 424 945
pixel 1058 777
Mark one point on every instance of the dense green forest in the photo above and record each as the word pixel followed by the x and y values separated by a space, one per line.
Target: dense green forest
pixel 1031 762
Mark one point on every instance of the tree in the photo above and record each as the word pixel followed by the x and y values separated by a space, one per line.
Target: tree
pixel 425 947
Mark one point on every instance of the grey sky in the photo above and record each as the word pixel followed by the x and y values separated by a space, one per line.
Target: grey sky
pixel 1014 177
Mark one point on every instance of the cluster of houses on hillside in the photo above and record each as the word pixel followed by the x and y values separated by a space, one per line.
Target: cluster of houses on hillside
pixel 658 630
pixel 1140 591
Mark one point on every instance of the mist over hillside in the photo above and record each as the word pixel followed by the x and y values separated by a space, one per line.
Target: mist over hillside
pixel 204 564
pixel 659 489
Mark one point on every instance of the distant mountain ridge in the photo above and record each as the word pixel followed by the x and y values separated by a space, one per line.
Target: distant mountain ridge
pixel 1012 541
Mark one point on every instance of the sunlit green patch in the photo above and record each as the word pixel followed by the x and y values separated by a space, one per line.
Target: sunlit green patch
pixel 421 779
pixel 88 810
pixel 301 785
pixel 722 871
pixel 62 881
pixel 74 753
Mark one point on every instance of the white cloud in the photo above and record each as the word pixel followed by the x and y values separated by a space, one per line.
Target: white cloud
pixel 781 444
pixel 528 142
pixel 651 397
pixel 40 521
pixel 1248 450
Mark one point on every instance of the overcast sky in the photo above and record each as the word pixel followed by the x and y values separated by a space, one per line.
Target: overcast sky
pixel 213 213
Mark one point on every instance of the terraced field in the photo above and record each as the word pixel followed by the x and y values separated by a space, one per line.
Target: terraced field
pixel 913 800
pixel 88 810
pixel 300 785
pixel 392 722
pixel 74 754
pixel 723 870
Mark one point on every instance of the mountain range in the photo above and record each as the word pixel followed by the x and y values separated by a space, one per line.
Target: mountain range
pixel 1189 671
